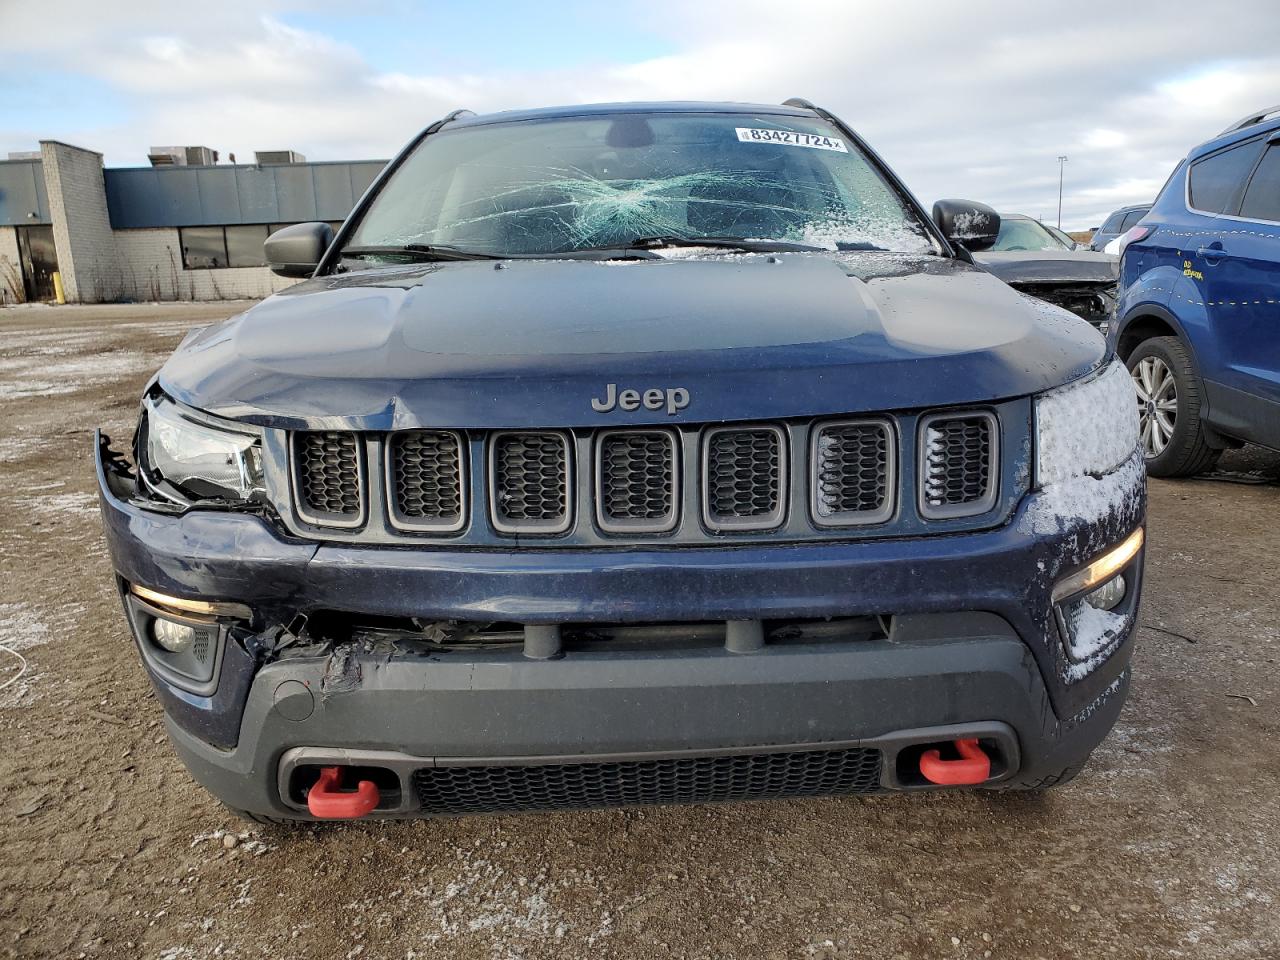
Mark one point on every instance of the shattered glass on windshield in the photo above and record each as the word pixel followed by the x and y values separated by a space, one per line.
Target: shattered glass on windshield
pixel 557 186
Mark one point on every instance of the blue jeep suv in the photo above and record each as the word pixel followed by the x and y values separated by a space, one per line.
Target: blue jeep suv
pixel 1199 316
pixel 625 454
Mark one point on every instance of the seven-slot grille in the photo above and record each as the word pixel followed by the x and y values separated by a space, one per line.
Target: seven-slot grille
pixel 529 482
pixel 807 773
pixel 744 483
pixel 328 478
pixel 637 486
pixel 637 476
pixel 957 464
pixel 425 476
pixel 853 472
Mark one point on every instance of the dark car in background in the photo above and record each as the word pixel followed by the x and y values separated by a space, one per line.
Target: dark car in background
pixel 1049 265
pixel 1115 225
pixel 1198 321
pixel 624 454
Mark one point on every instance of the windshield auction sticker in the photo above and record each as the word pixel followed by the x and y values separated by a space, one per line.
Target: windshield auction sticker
pixel 790 138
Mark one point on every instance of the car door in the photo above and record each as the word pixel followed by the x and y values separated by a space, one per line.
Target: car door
pixel 1239 259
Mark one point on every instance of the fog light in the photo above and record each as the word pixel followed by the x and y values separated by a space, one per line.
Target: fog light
pixel 174 637
pixel 1107 596
pixel 1101 571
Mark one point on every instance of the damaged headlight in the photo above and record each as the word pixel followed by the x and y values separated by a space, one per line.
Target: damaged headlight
pixel 1087 428
pixel 196 459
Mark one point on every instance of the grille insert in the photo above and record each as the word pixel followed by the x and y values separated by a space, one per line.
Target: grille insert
pixel 426 479
pixel 329 478
pixel 853 473
pixel 744 483
pixel 958 458
pixel 807 773
pixel 529 482
pixel 636 480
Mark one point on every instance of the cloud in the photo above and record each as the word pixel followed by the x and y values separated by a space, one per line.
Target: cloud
pixel 974 100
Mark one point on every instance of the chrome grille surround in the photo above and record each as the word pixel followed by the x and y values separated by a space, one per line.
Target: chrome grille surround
pixel 544 502
pixel 959 454
pixel 868 449
pixel 732 496
pixel 637 480
pixel 326 471
pixel 413 488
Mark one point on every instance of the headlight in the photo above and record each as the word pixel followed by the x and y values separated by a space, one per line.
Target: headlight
pixel 1087 428
pixel 200 461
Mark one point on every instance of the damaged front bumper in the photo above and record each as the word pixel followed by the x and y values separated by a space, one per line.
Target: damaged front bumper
pixel 338 658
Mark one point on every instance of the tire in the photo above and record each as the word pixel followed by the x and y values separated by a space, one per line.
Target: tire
pixel 1170 397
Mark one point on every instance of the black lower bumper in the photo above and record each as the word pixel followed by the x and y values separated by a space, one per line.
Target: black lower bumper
pixel 943 676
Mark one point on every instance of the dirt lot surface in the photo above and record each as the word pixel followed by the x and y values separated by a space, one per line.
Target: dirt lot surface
pixel 1164 846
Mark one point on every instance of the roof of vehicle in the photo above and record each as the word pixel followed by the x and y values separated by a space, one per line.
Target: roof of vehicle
pixel 596 109
pixel 1258 122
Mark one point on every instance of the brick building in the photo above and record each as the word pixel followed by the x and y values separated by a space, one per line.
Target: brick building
pixel 173 231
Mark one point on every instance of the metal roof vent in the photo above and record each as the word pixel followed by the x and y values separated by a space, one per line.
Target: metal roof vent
pixel 261 157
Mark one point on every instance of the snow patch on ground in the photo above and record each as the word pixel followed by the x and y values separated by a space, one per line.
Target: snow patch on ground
pixel 486 900
pixel 21 628
pixel 247 840
pixel 40 376
pixel 61 505
pixel 1082 500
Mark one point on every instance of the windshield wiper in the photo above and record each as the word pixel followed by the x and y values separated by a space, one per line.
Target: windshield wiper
pixel 419 251
pixel 723 243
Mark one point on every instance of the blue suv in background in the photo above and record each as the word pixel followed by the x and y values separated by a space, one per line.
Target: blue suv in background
pixel 1199 317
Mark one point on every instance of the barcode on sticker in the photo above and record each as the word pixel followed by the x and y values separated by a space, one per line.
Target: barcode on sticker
pixel 790 138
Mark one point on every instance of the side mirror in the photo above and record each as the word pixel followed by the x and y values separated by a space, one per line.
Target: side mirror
pixel 296 251
pixel 968 223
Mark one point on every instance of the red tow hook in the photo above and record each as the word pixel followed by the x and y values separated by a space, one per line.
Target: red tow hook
pixel 974 766
pixel 327 801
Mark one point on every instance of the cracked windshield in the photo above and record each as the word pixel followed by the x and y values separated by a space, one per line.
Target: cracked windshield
pixel 542 188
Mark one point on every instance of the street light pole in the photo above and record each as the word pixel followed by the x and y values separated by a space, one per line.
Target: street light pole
pixel 1061 166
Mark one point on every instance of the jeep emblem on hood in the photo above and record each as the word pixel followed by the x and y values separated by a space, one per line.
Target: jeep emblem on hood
pixel 674 399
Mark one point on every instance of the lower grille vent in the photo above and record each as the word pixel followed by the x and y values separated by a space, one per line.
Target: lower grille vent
pixel 636 480
pixel 854 473
pixel 530 482
pixel 328 477
pixel 808 773
pixel 958 455
pixel 744 488
pixel 425 473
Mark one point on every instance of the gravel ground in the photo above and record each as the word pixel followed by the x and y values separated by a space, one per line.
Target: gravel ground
pixel 1164 846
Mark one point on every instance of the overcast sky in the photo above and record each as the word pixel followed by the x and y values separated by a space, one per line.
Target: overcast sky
pixel 964 99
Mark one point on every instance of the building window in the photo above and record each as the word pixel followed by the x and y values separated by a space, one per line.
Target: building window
pixel 203 248
pixel 212 248
pixel 244 245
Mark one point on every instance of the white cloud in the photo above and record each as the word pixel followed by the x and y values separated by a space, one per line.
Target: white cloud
pixel 975 99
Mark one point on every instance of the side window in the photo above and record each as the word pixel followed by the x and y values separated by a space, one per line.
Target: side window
pixel 1262 197
pixel 1112 225
pixel 1216 180
pixel 1130 218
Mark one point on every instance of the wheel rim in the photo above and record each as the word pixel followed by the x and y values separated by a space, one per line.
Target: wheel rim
pixel 1157 404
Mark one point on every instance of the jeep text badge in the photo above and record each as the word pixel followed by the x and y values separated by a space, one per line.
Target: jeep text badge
pixel 674 399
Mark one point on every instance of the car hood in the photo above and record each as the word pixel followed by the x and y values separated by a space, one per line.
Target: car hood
pixel 1051 266
pixel 523 343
